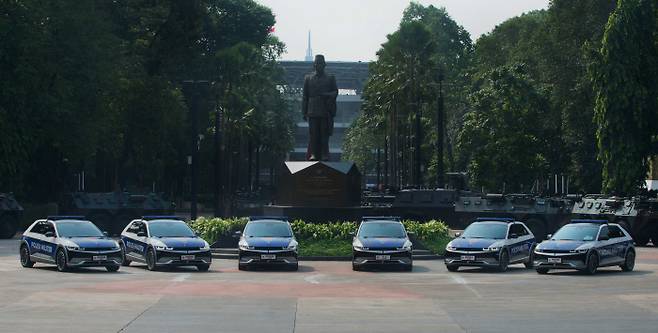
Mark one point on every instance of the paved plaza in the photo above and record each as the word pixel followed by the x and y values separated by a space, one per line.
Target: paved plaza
pixel 326 297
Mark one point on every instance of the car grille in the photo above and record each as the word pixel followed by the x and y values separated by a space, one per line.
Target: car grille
pixel 555 251
pixel 383 249
pixel 269 248
pixel 186 249
pixel 469 249
pixel 98 249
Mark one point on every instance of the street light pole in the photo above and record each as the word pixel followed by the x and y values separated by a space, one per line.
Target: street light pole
pixel 440 133
pixel 192 91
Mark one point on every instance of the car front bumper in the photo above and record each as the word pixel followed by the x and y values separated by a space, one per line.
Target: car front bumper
pixel 183 258
pixel 94 258
pixel 472 258
pixel 267 257
pixel 560 260
pixel 374 257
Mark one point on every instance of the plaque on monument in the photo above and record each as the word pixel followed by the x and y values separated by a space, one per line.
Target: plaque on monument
pixel 319 184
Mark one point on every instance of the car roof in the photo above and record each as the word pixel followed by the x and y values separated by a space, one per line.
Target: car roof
pixel 599 222
pixel 381 221
pixel 267 220
pixel 495 219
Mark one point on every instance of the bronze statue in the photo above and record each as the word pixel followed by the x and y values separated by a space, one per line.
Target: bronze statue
pixel 319 108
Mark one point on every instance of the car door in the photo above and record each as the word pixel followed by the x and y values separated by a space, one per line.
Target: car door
pixel 34 238
pixel 517 239
pixel 606 247
pixel 49 244
pixel 135 245
pixel 618 242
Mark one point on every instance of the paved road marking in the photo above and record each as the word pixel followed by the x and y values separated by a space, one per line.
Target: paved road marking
pixel 181 278
pixel 313 278
pixel 459 280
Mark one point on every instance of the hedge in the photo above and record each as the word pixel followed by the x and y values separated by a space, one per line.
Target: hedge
pixel 213 228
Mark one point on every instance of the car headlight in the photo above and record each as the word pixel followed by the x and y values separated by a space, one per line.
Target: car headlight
pixel 243 245
pixel 450 248
pixel 73 247
pixel 406 246
pixel 579 251
pixel 163 248
pixel 491 249
pixel 205 247
pixel 358 246
pixel 292 246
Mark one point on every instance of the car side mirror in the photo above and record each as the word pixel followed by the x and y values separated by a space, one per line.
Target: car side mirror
pixel 50 234
pixel 604 237
pixel 352 233
pixel 410 233
pixel 549 236
pixel 141 234
pixel 106 234
pixel 513 236
pixel 237 234
pixel 458 234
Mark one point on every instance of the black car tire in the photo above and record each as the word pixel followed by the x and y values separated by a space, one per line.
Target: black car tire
pixel 151 260
pixel 242 267
pixel 60 260
pixel 531 258
pixel 408 268
pixel 124 260
pixel 203 268
pixel 452 268
pixel 356 267
pixel 592 264
pixel 294 267
pixel 629 261
pixel 112 268
pixel 503 261
pixel 542 270
pixel 25 257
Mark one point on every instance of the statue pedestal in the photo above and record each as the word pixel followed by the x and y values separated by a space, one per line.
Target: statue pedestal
pixel 319 185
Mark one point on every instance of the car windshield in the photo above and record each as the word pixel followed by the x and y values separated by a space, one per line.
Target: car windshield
pixel 267 229
pixel 486 230
pixel 78 229
pixel 577 232
pixel 170 229
pixel 382 230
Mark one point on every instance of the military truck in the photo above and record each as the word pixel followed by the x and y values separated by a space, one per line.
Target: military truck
pixel 112 211
pixel 10 215
pixel 638 215
pixel 543 215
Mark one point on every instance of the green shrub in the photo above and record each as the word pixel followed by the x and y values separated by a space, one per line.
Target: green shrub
pixel 433 234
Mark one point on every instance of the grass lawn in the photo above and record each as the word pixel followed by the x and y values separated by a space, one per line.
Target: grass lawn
pixel 324 247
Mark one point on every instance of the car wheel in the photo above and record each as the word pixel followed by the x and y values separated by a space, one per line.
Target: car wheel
pixel 542 270
pixel 25 257
pixel 112 268
pixel 408 268
pixel 629 261
pixel 503 261
pixel 531 258
pixel 356 267
pixel 60 260
pixel 124 260
pixel 452 268
pixel 150 260
pixel 294 267
pixel 592 264
pixel 242 267
pixel 203 268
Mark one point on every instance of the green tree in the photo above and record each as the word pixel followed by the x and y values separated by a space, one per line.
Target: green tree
pixel 625 79
pixel 503 137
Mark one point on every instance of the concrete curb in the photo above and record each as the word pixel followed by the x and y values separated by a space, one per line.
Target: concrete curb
pixel 327 258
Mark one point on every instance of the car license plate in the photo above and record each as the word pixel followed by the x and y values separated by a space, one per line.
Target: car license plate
pixel 99 258
pixel 268 256
pixel 555 260
pixel 187 257
pixel 468 258
pixel 383 257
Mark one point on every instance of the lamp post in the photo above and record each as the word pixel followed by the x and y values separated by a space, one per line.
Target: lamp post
pixel 193 91
pixel 440 133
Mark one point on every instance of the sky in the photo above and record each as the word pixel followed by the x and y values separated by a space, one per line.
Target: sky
pixel 353 30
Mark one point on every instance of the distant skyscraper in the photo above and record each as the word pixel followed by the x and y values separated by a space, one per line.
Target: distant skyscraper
pixel 309 51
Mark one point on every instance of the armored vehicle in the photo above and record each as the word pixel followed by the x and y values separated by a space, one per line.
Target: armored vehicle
pixel 543 215
pixel 412 204
pixel 10 215
pixel 638 215
pixel 111 212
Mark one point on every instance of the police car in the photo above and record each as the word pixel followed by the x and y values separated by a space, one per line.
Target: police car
pixel 491 242
pixel 68 242
pixel 164 241
pixel 586 245
pixel 381 241
pixel 267 240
